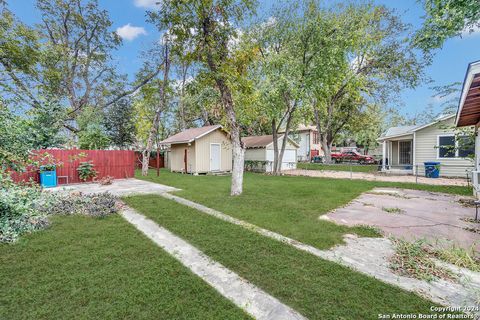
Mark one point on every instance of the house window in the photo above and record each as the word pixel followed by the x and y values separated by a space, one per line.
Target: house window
pixel 446 147
pixel 466 146
pixel 449 147
pixel 315 138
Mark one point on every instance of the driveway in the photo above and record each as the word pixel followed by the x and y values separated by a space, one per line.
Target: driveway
pixel 376 177
pixel 120 187
pixel 412 214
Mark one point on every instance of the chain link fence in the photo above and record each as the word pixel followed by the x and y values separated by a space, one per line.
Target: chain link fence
pixel 419 172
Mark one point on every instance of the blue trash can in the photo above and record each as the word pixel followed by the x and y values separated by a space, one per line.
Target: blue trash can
pixel 432 169
pixel 48 176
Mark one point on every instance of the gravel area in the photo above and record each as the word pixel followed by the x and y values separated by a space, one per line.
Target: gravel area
pixel 376 177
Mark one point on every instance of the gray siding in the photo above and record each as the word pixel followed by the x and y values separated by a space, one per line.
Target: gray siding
pixel 426 142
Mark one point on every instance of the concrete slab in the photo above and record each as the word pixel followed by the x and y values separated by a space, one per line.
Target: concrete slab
pixel 120 187
pixel 414 214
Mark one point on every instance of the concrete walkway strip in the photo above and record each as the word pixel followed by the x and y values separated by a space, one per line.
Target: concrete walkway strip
pixel 368 256
pixel 245 295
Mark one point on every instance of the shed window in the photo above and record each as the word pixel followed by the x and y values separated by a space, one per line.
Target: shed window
pixel 446 147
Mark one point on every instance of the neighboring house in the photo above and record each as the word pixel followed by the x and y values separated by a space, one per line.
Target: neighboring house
pixel 308 141
pixel 405 149
pixel 468 114
pixel 260 149
pixel 200 150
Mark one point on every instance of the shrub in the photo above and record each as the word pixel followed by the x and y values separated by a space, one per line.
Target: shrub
pixel 19 212
pixel 25 208
pixel 85 170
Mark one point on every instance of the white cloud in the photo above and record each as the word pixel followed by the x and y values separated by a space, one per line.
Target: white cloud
pixel 130 32
pixel 146 3
pixel 471 32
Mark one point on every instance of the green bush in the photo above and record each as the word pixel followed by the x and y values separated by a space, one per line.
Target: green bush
pixel 19 212
pixel 86 171
pixel 25 208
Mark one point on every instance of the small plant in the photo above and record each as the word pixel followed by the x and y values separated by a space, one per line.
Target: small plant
pixel 471 220
pixel 413 259
pixel 105 181
pixel 85 171
pixel 393 210
pixel 472 229
pixel 459 257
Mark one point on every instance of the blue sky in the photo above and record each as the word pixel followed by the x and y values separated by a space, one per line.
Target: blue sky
pixel 449 63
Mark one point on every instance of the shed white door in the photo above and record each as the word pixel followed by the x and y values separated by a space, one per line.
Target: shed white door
pixel 215 157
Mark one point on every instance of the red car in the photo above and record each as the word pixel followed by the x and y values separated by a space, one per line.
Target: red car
pixel 352 156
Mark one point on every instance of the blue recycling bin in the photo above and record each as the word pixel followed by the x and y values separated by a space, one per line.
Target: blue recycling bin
pixel 432 169
pixel 48 177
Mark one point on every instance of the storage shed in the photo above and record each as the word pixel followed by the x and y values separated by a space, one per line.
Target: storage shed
pixel 200 150
pixel 259 153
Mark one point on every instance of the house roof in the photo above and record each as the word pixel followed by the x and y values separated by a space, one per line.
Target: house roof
pixel 397 132
pixel 190 135
pixel 468 112
pixel 301 127
pixel 262 141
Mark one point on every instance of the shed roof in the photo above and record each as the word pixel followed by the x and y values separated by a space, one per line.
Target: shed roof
pixel 262 141
pixel 190 135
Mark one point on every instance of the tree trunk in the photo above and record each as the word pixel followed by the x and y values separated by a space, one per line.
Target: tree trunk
pixel 275 146
pixel 284 142
pixel 327 150
pixel 235 137
pixel 238 163
pixel 156 119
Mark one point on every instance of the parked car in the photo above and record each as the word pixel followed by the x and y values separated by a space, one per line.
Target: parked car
pixel 352 156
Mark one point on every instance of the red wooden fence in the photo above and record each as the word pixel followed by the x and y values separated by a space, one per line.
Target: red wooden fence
pixel 118 164
pixel 152 162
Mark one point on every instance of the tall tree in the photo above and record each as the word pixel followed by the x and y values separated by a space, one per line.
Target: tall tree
pixel 446 19
pixel 68 56
pixel 119 123
pixel 208 27
pixel 162 103
pixel 289 45
pixel 370 60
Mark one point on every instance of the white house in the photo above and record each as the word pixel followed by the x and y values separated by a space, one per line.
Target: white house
pixel 468 114
pixel 259 150
pixel 405 149
pixel 307 138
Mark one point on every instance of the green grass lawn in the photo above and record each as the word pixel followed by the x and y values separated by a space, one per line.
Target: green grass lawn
pixel 338 167
pixel 316 288
pixel 86 268
pixel 288 205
